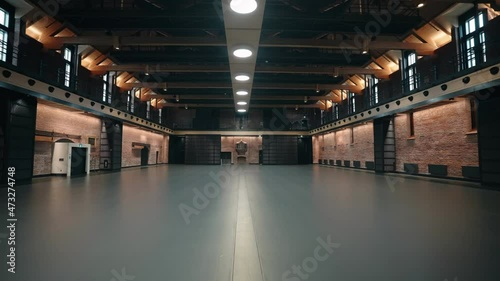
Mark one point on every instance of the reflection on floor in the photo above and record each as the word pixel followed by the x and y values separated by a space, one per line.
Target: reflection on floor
pixel 273 223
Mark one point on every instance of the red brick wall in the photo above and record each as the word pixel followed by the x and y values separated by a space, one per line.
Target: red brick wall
pixel 338 145
pixel 132 157
pixel 63 121
pixel 316 143
pixel 253 144
pixel 441 138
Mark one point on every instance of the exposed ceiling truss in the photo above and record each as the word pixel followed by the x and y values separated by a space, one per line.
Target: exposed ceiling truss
pixel 301 48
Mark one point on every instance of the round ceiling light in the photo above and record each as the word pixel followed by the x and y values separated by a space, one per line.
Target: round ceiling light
pixel 242 77
pixel 242 53
pixel 242 110
pixel 243 6
pixel 242 93
pixel 242 103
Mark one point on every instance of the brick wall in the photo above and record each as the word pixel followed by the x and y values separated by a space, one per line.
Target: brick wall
pixel 63 121
pixel 316 143
pixel 132 157
pixel 254 144
pixel 442 137
pixel 339 146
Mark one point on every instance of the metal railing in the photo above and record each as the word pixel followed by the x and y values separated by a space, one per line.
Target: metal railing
pixel 440 69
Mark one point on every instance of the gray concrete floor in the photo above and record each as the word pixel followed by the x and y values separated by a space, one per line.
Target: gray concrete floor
pixel 253 223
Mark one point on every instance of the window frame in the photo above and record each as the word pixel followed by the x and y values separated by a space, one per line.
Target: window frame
pixel 374 91
pixel 6 29
pixel 410 72
pixel 148 109
pixel 105 95
pixel 69 57
pixel 352 102
pixel 472 43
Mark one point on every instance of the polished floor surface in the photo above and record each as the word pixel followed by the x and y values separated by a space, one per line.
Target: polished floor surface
pixel 253 223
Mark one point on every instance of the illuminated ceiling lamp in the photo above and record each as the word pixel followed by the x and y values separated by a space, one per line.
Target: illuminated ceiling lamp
pixel 242 110
pixel 421 4
pixel 242 103
pixel 242 93
pixel 242 77
pixel 242 53
pixel 243 6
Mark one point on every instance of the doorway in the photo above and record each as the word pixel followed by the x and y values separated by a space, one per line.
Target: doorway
pixel 144 156
pixel 226 158
pixel 177 150
pixel 78 161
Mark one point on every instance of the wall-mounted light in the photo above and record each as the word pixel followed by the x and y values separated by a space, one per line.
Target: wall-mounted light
pixel 242 93
pixel 186 106
pixel 317 88
pixel 177 99
pixel 296 107
pixel 305 99
pixel 116 42
pixel 335 72
pixel 243 6
pixel 147 73
pixel 242 77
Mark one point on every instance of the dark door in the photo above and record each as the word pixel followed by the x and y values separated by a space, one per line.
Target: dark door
pixel 260 156
pixel 144 156
pixel 226 158
pixel 157 156
pixel 304 146
pixel 78 161
pixel 176 150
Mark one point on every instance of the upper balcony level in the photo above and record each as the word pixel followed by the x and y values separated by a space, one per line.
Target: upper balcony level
pixel 474 46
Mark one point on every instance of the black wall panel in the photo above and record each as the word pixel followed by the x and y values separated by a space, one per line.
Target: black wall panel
pixel 489 139
pixel 384 144
pixel 203 150
pixel 280 150
pixel 176 150
pixel 305 153
pixel 17 136
pixel 111 144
